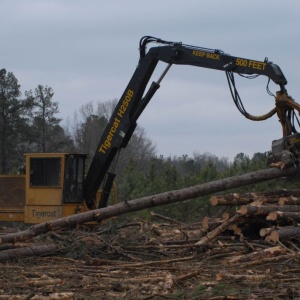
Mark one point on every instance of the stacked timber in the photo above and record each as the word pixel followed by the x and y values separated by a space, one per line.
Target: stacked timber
pixel 273 216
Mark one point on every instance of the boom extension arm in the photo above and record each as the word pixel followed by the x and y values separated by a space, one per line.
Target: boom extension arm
pixel 124 118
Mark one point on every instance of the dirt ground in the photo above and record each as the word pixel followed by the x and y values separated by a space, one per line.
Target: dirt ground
pixel 149 260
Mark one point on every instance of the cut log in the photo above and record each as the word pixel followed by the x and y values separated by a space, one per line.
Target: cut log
pixel 237 231
pixel 227 215
pixel 282 215
pixel 266 209
pixel 213 234
pixel 233 199
pixel 150 201
pixel 289 200
pixel 242 277
pixel 269 252
pixel 225 201
pixel 283 234
pixel 209 224
pixel 45 282
pixel 265 231
pixel 28 251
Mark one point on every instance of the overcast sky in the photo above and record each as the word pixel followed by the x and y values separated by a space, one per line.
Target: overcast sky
pixel 88 50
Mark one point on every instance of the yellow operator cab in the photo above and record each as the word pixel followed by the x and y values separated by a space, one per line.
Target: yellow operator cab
pixel 50 188
pixel 54 186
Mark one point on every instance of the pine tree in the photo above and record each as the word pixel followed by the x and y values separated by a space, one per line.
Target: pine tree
pixel 11 119
pixel 46 133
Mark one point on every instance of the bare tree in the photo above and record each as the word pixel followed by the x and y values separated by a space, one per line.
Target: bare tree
pixel 89 123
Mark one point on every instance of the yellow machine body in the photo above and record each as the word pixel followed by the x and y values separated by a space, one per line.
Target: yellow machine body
pixel 12 198
pixel 50 189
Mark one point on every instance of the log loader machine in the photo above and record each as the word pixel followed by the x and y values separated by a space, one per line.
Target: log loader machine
pixel 54 185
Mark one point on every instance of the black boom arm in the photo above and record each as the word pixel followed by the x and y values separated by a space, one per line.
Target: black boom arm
pixel 123 120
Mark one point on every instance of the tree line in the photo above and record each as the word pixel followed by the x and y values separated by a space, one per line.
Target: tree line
pixel 30 123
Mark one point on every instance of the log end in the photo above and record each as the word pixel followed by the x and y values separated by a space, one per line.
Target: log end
pixel 243 210
pixel 273 237
pixel 213 200
pixel 272 216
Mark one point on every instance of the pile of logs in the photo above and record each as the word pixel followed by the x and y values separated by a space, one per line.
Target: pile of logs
pixel 273 216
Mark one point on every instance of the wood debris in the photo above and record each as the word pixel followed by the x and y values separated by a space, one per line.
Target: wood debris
pixel 249 251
